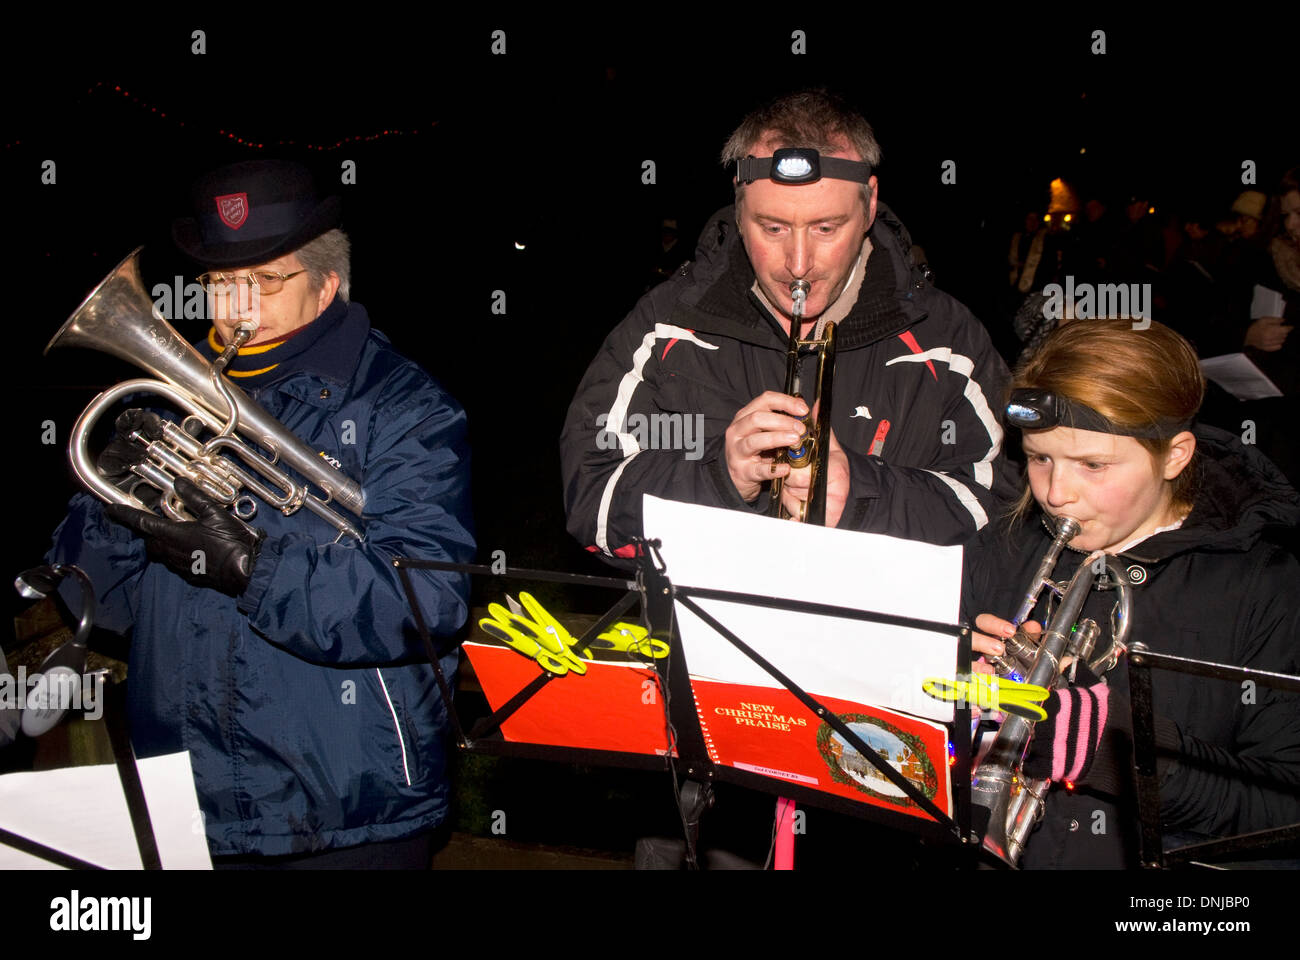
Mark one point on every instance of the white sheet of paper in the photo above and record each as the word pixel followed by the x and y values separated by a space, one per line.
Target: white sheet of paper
pixel 1266 303
pixel 82 811
pixel 851 659
pixel 1237 374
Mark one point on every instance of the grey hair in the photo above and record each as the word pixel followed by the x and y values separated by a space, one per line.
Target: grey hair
pixel 813 119
pixel 328 253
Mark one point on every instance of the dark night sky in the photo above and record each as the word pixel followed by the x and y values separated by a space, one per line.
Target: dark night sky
pixel 545 146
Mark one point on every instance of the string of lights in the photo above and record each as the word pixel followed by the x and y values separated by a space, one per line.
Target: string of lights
pixel 103 87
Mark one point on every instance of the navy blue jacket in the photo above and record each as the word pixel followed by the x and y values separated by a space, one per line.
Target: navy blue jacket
pixel 310 718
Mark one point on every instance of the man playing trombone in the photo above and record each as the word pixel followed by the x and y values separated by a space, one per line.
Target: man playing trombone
pixel 913 447
pixel 281 651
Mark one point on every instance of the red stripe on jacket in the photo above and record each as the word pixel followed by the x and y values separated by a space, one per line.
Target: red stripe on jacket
pixel 907 337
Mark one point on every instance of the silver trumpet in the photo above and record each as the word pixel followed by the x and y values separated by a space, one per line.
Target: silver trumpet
pixel 118 318
pixel 1015 805
pixel 814 448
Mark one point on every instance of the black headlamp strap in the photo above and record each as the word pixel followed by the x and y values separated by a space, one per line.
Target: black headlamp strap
pixel 1042 410
pixel 837 168
pixel 749 169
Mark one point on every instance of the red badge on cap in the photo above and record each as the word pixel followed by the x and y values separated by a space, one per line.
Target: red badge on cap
pixel 233 209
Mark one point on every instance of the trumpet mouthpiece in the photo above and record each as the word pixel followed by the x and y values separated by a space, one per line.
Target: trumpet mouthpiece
pixel 799 293
pixel 1068 527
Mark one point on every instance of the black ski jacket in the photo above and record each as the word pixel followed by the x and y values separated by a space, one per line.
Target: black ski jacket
pixel 916 387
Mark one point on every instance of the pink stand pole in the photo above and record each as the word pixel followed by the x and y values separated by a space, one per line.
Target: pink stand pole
pixel 784 834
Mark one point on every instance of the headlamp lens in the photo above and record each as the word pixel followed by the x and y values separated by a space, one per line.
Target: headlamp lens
pixel 796 165
pixel 1023 416
pixel 1032 409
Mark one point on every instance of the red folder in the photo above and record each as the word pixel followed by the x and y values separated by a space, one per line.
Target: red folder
pixel 613 706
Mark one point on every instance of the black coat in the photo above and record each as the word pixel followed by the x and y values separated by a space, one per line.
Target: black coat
pixel 916 381
pixel 1216 589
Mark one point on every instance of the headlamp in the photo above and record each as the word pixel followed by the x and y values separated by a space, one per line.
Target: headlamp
pixel 800 165
pixel 1031 409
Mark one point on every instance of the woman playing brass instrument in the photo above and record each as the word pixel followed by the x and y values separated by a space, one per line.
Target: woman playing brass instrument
pixel 1196 519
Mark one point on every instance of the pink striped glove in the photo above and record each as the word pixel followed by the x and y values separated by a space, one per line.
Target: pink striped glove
pixel 1066 743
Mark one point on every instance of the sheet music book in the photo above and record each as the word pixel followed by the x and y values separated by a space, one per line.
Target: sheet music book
pixel 869 674
pixel 854 660
pixel 769 732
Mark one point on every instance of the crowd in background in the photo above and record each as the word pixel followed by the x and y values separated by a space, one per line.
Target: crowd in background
pixel 1225 274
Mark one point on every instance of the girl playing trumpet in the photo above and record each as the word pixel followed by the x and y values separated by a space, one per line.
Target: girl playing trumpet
pixel 1198 521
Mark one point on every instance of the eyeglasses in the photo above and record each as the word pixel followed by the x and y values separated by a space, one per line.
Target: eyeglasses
pixel 266 282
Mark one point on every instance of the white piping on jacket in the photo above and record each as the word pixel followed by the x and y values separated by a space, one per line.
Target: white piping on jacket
pixel 615 419
pixel 400 739
pixel 974 393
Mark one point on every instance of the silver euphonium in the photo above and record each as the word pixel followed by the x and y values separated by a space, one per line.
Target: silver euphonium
pixel 1015 805
pixel 118 317
pixel 814 448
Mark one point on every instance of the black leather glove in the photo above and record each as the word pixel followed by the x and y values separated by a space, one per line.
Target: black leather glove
pixel 122 453
pixel 228 546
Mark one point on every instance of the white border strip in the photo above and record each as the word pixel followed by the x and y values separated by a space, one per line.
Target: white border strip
pixel 616 418
pixel 405 769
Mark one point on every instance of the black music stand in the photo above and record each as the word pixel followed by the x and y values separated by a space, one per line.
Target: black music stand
pixel 39 582
pixel 657 594
pixel 1141 660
